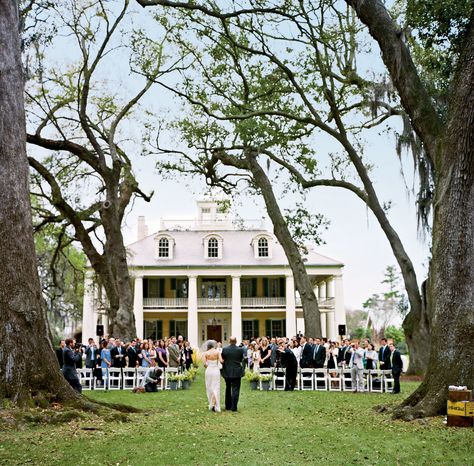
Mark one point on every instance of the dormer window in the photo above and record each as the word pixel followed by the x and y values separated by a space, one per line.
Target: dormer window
pixel 262 246
pixel 164 245
pixel 212 246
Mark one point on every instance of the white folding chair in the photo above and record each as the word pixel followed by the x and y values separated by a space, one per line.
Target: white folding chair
pixel 141 371
pixel 169 371
pixel 388 380
pixel 115 378
pixel 346 380
pixel 86 378
pixel 366 380
pixel 376 381
pixel 279 378
pixel 321 380
pixel 104 384
pixel 307 379
pixel 265 371
pixel 129 378
pixel 334 380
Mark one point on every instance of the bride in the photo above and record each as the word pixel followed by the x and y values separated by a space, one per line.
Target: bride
pixel 211 359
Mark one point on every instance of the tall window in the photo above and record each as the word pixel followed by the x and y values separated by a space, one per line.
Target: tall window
pixel 262 247
pixel 163 247
pixel 212 248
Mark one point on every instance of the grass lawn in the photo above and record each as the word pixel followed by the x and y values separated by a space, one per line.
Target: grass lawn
pixel 276 428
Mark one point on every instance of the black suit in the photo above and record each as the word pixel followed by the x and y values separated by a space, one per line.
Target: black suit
pixel 132 356
pixel 319 356
pixel 397 368
pixel 306 359
pixel 60 356
pixel 92 355
pixel 232 371
pixel 289 362
pixel 71 358
pixel 117 361
pixel 384 355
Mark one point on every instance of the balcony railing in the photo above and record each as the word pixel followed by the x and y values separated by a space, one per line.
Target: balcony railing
pixel 212 303
pixel 324 303
pixel 262 302
pixel 165 303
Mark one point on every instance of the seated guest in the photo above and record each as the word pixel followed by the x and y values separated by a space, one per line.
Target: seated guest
pixel 152 379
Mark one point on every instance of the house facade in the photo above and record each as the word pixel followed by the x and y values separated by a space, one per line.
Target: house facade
pixel 213 278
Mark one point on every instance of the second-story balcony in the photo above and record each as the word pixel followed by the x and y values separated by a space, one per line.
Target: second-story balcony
pixel 213 303
pixel 165 303
pixel 262 302
pixel 324 303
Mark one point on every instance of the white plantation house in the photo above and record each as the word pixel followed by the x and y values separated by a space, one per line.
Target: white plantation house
pixel 212 278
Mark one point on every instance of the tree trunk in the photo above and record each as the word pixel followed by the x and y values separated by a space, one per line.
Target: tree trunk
pixel 28 366
pixel 311 314
pixel 450 289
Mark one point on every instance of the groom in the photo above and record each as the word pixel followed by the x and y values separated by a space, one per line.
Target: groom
pixel 232 371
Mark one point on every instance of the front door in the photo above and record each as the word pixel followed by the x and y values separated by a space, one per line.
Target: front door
pixel 214 332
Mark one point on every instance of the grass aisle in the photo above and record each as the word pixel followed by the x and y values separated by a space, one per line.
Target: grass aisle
pixel 276 428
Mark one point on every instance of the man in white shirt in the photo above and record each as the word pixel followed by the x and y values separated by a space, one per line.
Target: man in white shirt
pixel 356 365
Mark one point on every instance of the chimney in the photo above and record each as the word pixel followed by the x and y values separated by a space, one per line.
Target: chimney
pixel 142 229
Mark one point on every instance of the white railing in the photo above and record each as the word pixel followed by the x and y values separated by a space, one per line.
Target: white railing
pixel 262 302
pixel 324 303
pixel 214 302
pixel 165 303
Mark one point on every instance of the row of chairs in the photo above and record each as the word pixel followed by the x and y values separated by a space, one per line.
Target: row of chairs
pixel 375 381
pixel 127 378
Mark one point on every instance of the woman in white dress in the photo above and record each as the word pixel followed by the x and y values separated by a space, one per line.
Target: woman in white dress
pixel 211 359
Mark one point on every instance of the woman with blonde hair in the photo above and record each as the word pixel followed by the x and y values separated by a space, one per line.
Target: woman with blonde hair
pixel 265 354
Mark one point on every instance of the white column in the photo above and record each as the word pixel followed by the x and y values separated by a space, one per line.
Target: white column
pixel 330 326
pixel 323 324
pixel 339 310
pixel 88 323
pixel 329 288
pixel 236 309
pixel 138 306
pixel 193 333
pixel 290 307
pixel 322 292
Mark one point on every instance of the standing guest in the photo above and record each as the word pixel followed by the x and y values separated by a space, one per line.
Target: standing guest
pixel 384 355
pixel 117 353
pixel 255 357
pixel 370 357
pixel 306 359
pixel 319 354
pixel 274 348
pixel 105 360
pixel 173 353
pixel 145 355
pixel 161 354
pixel 188 355
pixel 296 348
pixel 397 367
pixel 92 354
pixel 60 353
pixel 356 365
pixel 132 354
pixel 288 361
pixel 152 379
pixel 71 356
pixel 249 355
pixel 265 354
pixel 343 350
pixel 333 354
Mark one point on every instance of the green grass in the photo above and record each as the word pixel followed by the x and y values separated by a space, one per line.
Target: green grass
pixel 276 428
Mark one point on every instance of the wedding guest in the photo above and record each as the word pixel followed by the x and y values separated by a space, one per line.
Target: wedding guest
pixel 296 348
pixel 173 353
pixel 145 355
pixel 132 354
pixel 255 357
pixel 265 354
pixel 188 355
pixel 152 379
pixel 356 365
pixel 370 357
pixel 161 354
pixel 397 367
pixel 288 361
pixel 105 360
pixel 333 353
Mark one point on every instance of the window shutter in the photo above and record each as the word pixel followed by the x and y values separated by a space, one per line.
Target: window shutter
pixel 268 328
pixel 159 329
pixel 172 328
pixel 255 328
pixel 283 326
pixel 265 288
pixel 282 287
pixel 254 288
pixel 145 288
pixel 162 288
pixel 173 284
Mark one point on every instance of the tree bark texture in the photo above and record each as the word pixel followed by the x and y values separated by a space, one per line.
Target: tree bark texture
pixel 311 313
pixel 28 366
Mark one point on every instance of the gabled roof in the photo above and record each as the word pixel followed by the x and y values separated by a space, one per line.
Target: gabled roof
pixel 237 251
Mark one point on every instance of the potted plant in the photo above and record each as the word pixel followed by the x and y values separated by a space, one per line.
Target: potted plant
pixel 253 378
pixel 186 378
pixel 173 381
pixel 266 381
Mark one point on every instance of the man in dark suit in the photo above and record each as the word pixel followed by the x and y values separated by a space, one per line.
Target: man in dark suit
pixel 60 353
pixel 232 371
pixel 132 354
pixel 91 354
pixel 319 354
pixel 344 354
pixel 397 367
pixel 384 355
pixel 288 361
pixel 306 358
pixel 117 354
pixel 71 357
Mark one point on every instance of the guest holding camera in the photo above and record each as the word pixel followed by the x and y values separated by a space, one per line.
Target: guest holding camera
pixel 71 357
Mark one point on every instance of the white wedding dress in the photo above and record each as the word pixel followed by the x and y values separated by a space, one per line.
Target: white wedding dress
pixel 213 384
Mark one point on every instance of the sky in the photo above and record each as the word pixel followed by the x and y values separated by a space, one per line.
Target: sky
pixel 353 236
